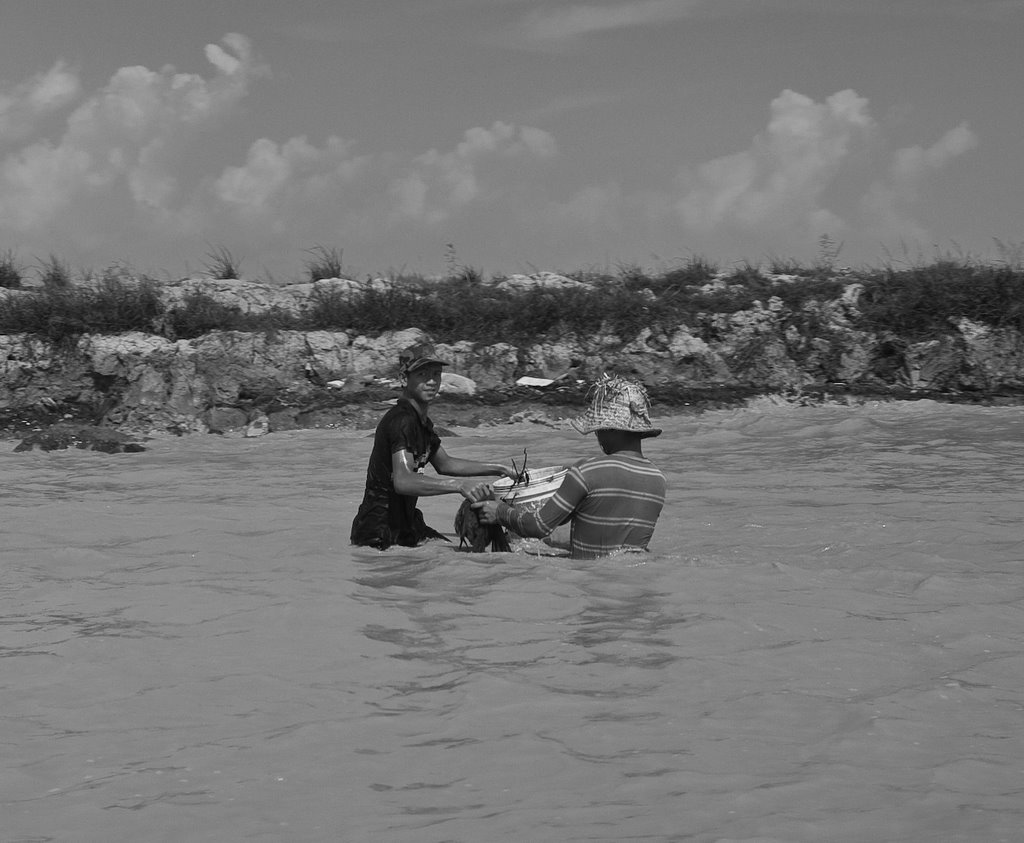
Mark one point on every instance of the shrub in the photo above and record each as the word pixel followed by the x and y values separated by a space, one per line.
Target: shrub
pixel 921 301
pixel 914 303
pixel 62 314
pixel 201 314
pixel 221 265
pixel 54 273
pixel 117 305
pixel 795 294
pixel 10 271
pixel 697 270
pixel 471 275
pixel 633 275
pixel 326 263
pixel 327 309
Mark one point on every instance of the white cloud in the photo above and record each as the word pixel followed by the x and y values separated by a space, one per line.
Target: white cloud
pixel 778 183
pixel 118 170
pixel 912 163
pixel 775 194
pixel 23 104
pixel 574 21
pixel 888 205
pixel 439 184
pixel 119 174
pixel 309 193
pixel 131 130
pixel 275 177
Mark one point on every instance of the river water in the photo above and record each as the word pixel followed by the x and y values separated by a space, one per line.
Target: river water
pixel 825 644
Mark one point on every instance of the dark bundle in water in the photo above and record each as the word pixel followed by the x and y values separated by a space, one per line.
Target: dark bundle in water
pixel 476 536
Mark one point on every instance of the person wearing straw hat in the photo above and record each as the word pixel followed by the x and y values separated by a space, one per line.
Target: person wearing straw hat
pixel 612 501
pixel 403 445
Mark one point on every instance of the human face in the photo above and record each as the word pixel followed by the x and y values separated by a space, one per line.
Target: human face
pixel 423 384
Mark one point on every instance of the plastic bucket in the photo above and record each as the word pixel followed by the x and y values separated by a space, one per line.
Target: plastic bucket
pixel 543 483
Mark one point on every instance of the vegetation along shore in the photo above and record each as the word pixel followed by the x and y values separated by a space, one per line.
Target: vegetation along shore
pixel 120 351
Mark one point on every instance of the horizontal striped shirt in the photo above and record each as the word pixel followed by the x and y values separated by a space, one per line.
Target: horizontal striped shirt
pixel 613 502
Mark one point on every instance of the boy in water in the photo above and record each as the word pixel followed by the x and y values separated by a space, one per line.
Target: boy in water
pixel 612 501
pixel 404 443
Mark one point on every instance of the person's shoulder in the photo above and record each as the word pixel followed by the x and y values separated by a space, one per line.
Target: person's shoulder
pixel 607 461
pixel 389 414
pixel 398 417
pixel 618 463
pixel 401 409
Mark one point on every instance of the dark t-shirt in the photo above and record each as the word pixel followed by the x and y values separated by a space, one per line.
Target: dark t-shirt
pixel 386 517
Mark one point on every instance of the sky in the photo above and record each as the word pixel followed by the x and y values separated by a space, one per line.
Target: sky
pixel 511 136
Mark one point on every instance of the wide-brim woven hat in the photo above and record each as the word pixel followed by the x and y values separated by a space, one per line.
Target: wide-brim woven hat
pixel 617 404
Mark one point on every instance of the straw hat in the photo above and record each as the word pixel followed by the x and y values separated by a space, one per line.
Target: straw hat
pixel 617 404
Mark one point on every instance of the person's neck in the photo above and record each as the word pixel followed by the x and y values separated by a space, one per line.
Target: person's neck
pixel 635 450
pixel 624 443
pixel 421 406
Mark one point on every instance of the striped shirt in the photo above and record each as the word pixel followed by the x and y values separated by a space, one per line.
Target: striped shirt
pixel 612 500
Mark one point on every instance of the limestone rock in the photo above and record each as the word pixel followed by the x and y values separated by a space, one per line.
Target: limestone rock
pixel 141 382
pixel 286 419
pixel 249 297
pixel 454 384
pixel 545 280
pixel 326 288
pixel 994 357
pixel 224 419
pixel 489 365
pixel 380 354
pixel 259 426
pixel 933 364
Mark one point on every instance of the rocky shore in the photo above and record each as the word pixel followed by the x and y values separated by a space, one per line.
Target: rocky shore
pixel 249 383
pixel 50 427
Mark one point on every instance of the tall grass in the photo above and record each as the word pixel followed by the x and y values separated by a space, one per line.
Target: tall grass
pixel 915 302
pixel 324 263
pixel 55 273
pixel 921 301
pixel 11 272
pixel 221 265
pixel 201 314
pixel 63 313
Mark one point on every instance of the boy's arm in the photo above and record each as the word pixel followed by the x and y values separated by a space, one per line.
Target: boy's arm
pixel 408 481
pixel 445 463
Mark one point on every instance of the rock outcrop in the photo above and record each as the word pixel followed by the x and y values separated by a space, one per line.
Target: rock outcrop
pixel 86 437
pixel 251 297
pixel 231 381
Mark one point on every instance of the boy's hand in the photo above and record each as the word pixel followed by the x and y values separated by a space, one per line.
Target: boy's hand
pixel 486 511
pixel 476 491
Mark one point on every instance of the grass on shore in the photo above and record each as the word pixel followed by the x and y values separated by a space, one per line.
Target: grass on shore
pixel 913 302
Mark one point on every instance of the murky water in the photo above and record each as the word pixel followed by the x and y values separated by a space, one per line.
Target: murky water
pixel 824 645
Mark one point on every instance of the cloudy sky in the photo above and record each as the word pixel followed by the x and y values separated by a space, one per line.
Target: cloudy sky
pixel 530 134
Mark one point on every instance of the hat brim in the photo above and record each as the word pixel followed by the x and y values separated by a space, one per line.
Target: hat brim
pixel 424 361
pixel 585 428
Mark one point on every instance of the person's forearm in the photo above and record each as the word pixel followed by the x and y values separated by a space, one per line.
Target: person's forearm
pixel 424 485
pixel 471 468
pixel 522 522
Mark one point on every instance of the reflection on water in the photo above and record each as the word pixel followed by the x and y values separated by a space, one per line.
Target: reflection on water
pixel 823 644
